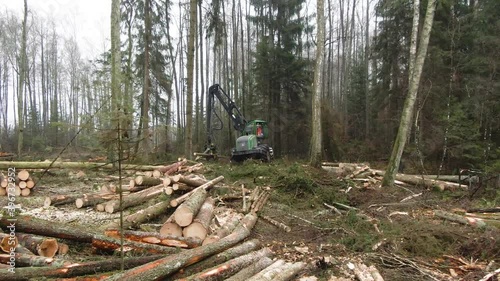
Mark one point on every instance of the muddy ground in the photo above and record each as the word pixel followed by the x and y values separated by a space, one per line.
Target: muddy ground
pixel 404 241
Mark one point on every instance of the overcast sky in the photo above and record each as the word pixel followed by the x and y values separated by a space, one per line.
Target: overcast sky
pixel 88 21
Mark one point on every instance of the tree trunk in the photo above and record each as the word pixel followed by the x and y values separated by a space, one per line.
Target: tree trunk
pixel 239 250
pixel 147 181
pixel 251 270
pixel 199 226
pixel 23 68
pixel 316 133
pixel 109 244
pixel 134 199
pixel 92 199
pixel 77 269
pixel 8 242
pixel 170 227
pixel 407 114
pixel 419 180
pixel 170 264
pixel 156 238
pixel 73 165
pixel 267 271
pixel 57 200
pixel 186 212
pixel 229 268
pixel 45 247
pixel 141 216
pixel 475 222
pixel 32 260
pixel 190 77
pixel 206 186
pixel 48 228
pixel 223 231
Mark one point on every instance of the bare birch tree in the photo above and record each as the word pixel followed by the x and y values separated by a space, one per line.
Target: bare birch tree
pixel 415 74
pixel 316 137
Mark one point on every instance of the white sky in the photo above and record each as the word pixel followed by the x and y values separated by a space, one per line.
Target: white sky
pixel 88 21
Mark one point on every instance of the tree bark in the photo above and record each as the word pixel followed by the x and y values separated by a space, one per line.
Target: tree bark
pixel 45 247
pixel 32 260
pixel 141 216
pixel 73 165
pixel 156 238
pixel 199 227
pixel 249 271
pixel 109 244
pixel 92 199
pixel 431 183
pixel 190 77
pixel 316 133
pixel 49 228
pixel 267 271
pixel 147 181
pixel 134 199
pixel 223 231
pixel 236 251
pixel 229 268
pixel 206 186
pixel 77 269
pixel 186 212
pixel 192 181
pixel 170 264
pixel 57 200
pixel 475 222
pixel 407 114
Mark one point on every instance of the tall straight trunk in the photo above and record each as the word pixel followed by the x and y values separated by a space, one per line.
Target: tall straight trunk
pixel 202 77
pixel 21 82
pixel 144 138
pixel 367 71
pixel 407 114
pixel 197 86
pixel 316 137
pixel 115 68
pixel 190 77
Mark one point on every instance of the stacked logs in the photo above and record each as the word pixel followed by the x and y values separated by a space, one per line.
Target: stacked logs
pixel 20 184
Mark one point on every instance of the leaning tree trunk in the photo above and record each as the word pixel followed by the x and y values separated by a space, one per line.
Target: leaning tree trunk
pixel 407 114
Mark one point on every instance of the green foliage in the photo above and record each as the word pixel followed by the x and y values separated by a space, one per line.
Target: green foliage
pixel 363 235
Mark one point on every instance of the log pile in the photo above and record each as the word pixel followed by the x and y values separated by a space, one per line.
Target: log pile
pixel 18 184
pixel 371 178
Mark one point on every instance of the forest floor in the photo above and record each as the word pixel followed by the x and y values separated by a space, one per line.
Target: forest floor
pixel 403 240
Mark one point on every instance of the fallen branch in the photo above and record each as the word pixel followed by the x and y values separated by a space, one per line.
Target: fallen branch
pixel 276 223
pixel 475 222
pixel 206 186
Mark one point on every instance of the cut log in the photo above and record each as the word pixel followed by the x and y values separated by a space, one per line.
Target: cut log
pixel 156 238
pixel 22 184
pixel 430 183
pixel 170 169
pixel 63 249
pixel 199 226
pixel 156 174
pixel 249 271
pixel 206 186
pixel 268 271
pixel 77 269
pixel 286 272
pixel 149 213
pixel 229 268
pixel 147 181
pixel 170 227
pixel 191 181
pixel 109 244
pixel 93 199
pixel 32 260
pixel 236 251
pixel 186 212
pixel 8 242
pixel 74 165
pixel 34 225
pixel 223 231
pixel 169 190
pixel 23 175
pixel 172 263
pixel 100 207
pixel 45 247
pixel 25 192
pixel 134 199
pixel 57 200
pixel 30 183
pixel 4 181
pixel 475 222
pixel 486 210
pixel 3 191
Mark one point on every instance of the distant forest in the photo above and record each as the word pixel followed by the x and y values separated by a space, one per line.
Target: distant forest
pixel 262 53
